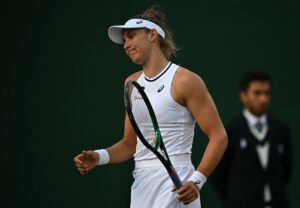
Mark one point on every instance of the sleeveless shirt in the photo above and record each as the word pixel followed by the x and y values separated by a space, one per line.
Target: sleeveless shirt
pixel 175 121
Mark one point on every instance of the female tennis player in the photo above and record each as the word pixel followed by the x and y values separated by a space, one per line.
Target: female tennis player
pixel 179 98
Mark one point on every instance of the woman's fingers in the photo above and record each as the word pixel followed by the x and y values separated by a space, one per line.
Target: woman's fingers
pixel 190 200
pixel 78 158
pixel 84 162
pixel 187 193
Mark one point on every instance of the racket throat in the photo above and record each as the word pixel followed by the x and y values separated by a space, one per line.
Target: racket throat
pixel 165 156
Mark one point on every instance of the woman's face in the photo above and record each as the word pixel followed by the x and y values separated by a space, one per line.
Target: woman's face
pixel 137 45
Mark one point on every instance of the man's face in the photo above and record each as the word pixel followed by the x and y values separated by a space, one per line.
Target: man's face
pixel 256 97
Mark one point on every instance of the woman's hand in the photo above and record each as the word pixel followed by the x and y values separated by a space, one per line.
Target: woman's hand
pixel 86 161
pixel 187 193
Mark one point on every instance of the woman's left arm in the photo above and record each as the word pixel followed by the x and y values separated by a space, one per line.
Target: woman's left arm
pixel 189 90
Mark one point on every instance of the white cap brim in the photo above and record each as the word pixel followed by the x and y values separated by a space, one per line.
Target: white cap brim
pixel 115 31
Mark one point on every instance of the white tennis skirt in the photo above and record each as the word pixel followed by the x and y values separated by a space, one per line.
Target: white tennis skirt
pixel 152 186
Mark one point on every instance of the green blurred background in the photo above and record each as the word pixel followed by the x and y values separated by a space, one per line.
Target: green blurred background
pixel 62 87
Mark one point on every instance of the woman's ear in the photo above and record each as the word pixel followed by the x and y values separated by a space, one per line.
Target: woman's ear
pixel 153 35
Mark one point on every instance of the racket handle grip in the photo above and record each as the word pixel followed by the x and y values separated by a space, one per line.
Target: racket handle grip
pixel 176 180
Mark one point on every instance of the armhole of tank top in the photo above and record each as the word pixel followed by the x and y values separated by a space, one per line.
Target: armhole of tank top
pixel 140 77
pixel 170 96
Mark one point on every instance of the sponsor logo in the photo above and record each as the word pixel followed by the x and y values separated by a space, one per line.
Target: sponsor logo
pixel 137 97
pixel 139 22
pixel 161 88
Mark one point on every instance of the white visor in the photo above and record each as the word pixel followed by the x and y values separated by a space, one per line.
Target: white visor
pixel 115 31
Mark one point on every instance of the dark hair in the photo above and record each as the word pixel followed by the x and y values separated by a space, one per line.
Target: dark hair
pixel 251 77
pixel 155 15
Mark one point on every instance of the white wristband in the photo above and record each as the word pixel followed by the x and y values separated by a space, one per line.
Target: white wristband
pixel 198 178
pixel 103 156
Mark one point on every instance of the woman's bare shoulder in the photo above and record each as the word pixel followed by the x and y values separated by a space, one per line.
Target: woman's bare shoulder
pixel 134 76
pixel 186 77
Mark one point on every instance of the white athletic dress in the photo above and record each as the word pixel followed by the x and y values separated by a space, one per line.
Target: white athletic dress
pixel 152 187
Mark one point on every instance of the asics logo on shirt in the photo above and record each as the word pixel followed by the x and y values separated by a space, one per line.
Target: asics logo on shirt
pixel 161 88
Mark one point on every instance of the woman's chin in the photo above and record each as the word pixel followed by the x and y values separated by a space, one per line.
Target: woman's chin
pixel 137 61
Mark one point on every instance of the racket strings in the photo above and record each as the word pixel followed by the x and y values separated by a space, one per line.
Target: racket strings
pixel 143 118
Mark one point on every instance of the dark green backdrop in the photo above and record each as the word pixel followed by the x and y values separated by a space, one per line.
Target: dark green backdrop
pixel 62 84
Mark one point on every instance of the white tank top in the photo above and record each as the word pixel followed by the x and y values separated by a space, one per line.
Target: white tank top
pixel 175 121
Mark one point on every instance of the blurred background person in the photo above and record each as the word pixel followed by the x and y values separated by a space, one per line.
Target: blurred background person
pixel 256 168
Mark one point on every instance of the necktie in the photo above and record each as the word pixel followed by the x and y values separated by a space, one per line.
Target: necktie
pixel 259 126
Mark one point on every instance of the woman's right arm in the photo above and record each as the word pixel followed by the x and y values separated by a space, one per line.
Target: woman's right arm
pixel 125 148
pixel 119 152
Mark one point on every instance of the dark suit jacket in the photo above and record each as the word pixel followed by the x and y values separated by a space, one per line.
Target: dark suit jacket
pixel 239 178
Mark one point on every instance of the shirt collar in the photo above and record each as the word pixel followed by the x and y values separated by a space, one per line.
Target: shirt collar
pixel 252 119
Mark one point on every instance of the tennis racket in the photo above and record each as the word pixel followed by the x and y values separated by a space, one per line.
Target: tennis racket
pixel 144 122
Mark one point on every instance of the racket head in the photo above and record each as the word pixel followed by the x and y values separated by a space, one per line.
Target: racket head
pixel 144 122
pixel 141 115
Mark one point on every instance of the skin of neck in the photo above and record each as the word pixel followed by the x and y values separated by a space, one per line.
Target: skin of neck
pixel 155 63
pixel 255 113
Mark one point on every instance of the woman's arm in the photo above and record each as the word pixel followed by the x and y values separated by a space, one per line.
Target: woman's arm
pixel 190 90
pixel 119 152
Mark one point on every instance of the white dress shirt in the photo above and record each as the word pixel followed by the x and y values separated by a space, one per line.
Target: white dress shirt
pixel 262 150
